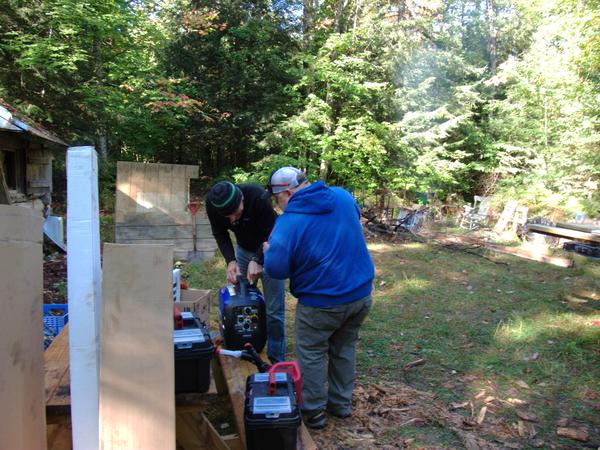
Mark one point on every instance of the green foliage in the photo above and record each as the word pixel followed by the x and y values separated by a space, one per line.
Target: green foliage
pixel 364 94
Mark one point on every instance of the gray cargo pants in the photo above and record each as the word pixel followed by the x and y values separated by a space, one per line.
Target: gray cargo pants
pixel 326 350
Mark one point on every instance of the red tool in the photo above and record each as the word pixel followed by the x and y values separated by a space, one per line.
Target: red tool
pixel 177 318
pixel 293 369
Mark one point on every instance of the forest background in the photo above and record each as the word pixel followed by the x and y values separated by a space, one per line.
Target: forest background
pixel 446 97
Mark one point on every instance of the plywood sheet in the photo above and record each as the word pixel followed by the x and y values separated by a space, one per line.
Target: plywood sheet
pixel 22 416
pixel 137 395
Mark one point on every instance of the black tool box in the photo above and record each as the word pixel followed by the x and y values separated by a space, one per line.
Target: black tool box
pixel 271 418
pixel 193 352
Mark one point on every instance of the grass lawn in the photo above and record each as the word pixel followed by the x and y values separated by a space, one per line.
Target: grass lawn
pixel 505 350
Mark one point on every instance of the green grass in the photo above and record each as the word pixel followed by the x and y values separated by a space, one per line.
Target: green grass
pixel 520 331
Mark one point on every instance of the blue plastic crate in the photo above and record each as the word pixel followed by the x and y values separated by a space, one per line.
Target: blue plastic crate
pixel 53 320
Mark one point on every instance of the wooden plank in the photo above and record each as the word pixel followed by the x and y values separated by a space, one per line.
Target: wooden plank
pixel 57 377
pixel 584 227
pixel 564 232
pixel 84 292
pixel 235 372
pixel 162 231
pixel 144 219
pixel 137 395
pixel 58 436
pixel 204 245
pixel 124 203
pixel 136 185
pixel 165 179
pixel 195 432
pixel 22 416
pixel 556 261
pixel 179 184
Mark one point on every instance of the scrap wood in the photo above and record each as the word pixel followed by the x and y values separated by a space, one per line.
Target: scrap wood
pixel 577 434
pixel 554 260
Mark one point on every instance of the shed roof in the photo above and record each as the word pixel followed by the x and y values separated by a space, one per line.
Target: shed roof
pixel 11 120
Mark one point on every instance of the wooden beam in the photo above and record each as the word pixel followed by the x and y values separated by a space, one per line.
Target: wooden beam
pixel 564 232
pixel 522 253
pixel 22 416
pixel 584 227
pixel 84 293
pixel 195 432
pixel 137 375
pixel 57 377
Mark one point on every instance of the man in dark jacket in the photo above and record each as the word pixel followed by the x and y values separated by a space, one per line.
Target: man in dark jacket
pixel 247 211
pixel 318 244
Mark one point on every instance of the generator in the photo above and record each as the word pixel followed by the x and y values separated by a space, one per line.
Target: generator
pixel 242 316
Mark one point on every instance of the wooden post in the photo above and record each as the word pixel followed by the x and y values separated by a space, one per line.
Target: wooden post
pixel 137 375
pixel 84 279
pixel 22 417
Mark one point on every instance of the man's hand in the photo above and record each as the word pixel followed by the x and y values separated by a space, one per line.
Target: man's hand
pixel 255 270
pixel 233 270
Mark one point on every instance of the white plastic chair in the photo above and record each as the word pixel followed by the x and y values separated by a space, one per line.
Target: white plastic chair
pixel 474 216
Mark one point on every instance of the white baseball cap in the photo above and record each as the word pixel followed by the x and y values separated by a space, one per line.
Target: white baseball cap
pixel 285 178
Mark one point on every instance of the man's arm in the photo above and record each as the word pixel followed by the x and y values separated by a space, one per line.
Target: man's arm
pixel 277 256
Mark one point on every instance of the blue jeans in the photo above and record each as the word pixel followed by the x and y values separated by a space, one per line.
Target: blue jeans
pixel 274 293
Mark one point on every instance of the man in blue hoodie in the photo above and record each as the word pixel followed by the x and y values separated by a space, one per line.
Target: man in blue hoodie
pixel 318 244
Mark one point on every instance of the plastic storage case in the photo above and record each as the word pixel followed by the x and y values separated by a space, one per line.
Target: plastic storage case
pixel 193 352
pixel 56 316
pixel 271 420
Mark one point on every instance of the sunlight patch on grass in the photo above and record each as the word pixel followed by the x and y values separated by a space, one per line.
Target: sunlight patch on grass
pixel 379 247
pixel 548 326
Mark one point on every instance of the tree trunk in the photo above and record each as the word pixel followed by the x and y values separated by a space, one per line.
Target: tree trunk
pixel 493 34
pixel 308 17
pixel 323 170
pixel 102 140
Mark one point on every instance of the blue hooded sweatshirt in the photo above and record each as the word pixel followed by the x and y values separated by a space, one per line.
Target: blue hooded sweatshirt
pixel 318 244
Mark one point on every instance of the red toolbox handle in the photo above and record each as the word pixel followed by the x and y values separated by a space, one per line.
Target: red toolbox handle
pixel 293 369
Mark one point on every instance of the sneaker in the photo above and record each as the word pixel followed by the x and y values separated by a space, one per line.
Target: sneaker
pixel 316 420
pixel 339 415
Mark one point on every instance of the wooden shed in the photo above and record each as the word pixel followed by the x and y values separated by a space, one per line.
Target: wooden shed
pixel 26 154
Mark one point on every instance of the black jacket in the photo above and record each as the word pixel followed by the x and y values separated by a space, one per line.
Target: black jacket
pixel 253 228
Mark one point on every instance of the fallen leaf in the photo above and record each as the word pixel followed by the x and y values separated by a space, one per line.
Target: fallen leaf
pixel 530 417
pixel 516 401
pixel 418 362
pixel 578 434
pixel 533 357
pixel 521 428
pixel 480 395
pixel 489 399
pixel 459 405
pixel 522 384
pixel 481 415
